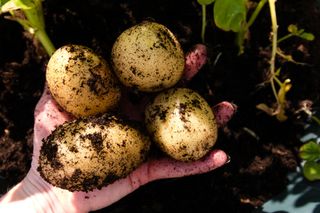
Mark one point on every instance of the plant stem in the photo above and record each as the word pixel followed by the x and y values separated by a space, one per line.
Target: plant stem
pixel 35 17
pixel 277 81
pixel 285 37
pixel 42 36
pixel 316 119
pixel 204 23
pixel 242 33
pixel 274 45
pixel 256 12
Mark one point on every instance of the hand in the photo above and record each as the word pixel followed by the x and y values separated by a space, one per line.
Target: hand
pixel 44 197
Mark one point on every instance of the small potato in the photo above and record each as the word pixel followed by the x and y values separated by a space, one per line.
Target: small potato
pixel 148 57
pixel 89 153
pixel 182 123
pixel 81 81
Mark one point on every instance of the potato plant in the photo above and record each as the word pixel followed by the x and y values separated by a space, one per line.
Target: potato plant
pixel 33 21
pixel 310 154
pixel 230 15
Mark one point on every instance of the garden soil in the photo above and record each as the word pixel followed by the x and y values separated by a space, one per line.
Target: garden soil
pixel 262 149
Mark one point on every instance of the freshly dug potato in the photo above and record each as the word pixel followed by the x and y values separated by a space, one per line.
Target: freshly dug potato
pixel 148 57
pixel 182 123
pixel 81 81
pixel 92 152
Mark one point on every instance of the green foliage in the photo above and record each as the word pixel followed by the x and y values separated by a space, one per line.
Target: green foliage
pixel 310 153
pixel 25 4
pixel 230 14
pixel 10 5
pixel 34 21
pixel 311 170
pixel 205 2
pixel 279 110
pixel 295 31
pixel 2 2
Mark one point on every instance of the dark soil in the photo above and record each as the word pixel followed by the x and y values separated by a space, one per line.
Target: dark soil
pixel 262 149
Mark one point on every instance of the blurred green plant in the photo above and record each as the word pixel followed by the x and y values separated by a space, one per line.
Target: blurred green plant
pixel 231 15
pixel 310 153
pixel 29 14
pixel 295 31
pixel 281 88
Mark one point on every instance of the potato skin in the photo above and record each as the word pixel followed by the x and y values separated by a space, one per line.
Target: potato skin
pixel 182 123
pixel 92 152
pixel 81 81
pixel 148 57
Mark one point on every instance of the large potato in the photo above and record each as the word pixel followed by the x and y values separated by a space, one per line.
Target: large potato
pixel 148 57
pixel 182 123
pixel 91 152
pixel 81 81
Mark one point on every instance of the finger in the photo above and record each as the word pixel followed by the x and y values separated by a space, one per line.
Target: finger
pixel 224 112
pixel 48 115
pixel 151 170
pixel 195 59
pixel 169 168
pixel 133 105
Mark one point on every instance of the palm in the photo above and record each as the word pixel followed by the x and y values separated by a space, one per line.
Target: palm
pixel 48 116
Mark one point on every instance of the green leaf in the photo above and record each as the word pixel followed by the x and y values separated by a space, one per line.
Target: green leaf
pixel 205 2
pixel 24 4
pixel 2 2
pixel 282 92
pixel 311 170
pixel 11 5
pixel 307 36
pixel 230 14
pixel 293 29
pixel 264 107
pixel 284 89
pixel 310 151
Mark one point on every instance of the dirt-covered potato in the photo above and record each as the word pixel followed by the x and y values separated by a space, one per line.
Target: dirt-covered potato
pixel 81 81
pixel 148 57
pixel 182 123
pixel 91 152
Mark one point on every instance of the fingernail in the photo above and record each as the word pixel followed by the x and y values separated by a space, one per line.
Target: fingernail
pixel 228 159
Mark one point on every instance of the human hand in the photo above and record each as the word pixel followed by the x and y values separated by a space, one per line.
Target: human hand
pixel 48 115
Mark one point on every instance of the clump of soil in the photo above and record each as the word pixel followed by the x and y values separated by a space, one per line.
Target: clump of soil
pixel 262 150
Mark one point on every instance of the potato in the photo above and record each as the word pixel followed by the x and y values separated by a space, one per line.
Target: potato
pixel 182 123
pixel 92 152
pixel 81 81
pixel 148 57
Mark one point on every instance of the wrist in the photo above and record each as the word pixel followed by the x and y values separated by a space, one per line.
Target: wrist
pixel 32 194
pixel 16 199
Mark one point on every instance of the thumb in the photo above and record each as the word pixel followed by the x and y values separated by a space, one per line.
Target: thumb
pixel 47 116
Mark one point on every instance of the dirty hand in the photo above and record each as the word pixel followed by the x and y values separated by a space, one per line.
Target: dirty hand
pixel 36 195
